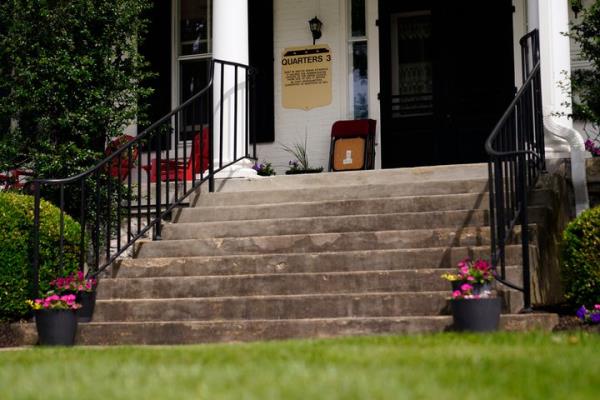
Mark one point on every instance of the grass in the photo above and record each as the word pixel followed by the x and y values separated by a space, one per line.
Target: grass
pixel 442 366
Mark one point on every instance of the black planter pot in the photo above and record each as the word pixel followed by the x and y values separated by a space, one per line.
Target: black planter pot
pixel 304 171
pixel 56 327
pixel 476 315
pixel 88 302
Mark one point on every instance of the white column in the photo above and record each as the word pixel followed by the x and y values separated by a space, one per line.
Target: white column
pixel 230 30
pixel 230 43
pixel 555 55
pixel 561 139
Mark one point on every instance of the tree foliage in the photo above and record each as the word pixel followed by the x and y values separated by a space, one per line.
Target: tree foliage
pixel 70 77
pixel 586 82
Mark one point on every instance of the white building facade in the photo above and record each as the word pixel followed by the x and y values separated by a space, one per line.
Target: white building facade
pixel 435 75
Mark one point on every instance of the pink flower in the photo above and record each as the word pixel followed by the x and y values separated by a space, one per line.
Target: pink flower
pixel 481 265
pixel 465 287
pixel 456 294
pixel 597 307
pixel 470 278
pixel 68 297
pixel 464 270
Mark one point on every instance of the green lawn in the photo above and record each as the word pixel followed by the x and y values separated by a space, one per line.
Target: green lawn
pixel 444 366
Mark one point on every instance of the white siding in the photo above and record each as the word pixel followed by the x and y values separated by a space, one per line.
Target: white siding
pixel 291 29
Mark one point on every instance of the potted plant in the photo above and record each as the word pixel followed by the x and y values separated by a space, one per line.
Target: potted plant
pixel 55 319
pixel 84 289
pixel 589 316
pixel 264 169
pixel 478 273
pixel 474 308
pixel 300 164
pixel 592 147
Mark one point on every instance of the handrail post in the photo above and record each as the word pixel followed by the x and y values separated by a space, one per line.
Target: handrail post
pixel 35 264
pixel 524 233
pixel 157 225
pixel 211 135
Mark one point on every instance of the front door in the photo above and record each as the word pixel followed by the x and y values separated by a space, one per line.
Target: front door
pixel 446 77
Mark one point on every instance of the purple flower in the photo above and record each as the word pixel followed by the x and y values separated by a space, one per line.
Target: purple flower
pixel 595 317
pixel 581 313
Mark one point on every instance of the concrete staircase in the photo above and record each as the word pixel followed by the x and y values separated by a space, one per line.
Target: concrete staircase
pixel 305 256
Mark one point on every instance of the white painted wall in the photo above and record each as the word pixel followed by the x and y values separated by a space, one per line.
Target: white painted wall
pixel 291 29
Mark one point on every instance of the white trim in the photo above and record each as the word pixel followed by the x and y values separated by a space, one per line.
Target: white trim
pixel 174 53
pixel 519 30
pixel 372 14
pixel 344 60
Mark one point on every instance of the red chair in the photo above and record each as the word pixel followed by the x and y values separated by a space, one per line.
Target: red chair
pixel 15 179
pixel 120 168
pixel 352 145
pixel 177 169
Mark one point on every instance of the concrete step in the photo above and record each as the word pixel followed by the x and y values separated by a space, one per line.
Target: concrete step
pixel 366 190
pixel 382 205
pixel 313 243
pixel 361 260
pixel 358 178
pixel 374 304
pixel 281 284
pixel 344 223
pixel 389 205
pixel 190 332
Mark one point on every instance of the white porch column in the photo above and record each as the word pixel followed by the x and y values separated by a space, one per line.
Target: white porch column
pixel 230 43
pixel 561 138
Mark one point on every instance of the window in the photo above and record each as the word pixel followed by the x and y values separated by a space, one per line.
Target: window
pixel 357 47
pixel 193 30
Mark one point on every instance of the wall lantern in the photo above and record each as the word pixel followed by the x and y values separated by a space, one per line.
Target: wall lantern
pixel 315 28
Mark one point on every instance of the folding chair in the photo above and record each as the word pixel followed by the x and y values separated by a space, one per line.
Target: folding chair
pixel 352 145
pixel 120 168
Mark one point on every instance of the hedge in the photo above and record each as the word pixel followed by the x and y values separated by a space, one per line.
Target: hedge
pixel 581 259
pixel 16 226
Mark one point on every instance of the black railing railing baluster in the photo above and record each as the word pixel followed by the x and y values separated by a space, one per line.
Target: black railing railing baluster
pixel 516 151
pixel 82 223
pixel 107 188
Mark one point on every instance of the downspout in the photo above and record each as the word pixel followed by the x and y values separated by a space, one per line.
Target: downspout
pixel 578 172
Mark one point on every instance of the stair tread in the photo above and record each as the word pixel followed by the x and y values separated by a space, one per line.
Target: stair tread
pixel 424 271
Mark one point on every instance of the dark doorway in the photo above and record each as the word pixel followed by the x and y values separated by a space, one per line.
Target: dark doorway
pixel 446 77
pixel 156 48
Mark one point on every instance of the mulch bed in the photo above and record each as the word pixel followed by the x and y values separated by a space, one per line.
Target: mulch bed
pixel 570 323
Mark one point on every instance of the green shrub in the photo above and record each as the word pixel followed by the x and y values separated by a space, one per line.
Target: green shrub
pixel 16 223
pixel 581 259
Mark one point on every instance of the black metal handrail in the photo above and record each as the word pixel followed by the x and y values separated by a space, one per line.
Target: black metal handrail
pixel 111 203
pixel 516 159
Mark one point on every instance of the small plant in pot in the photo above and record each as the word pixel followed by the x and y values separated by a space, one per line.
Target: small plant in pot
pixel 55 319
pixel 474 307
pixel 85 290
pixel 263 169
pixel 300 164
pixel 591 317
